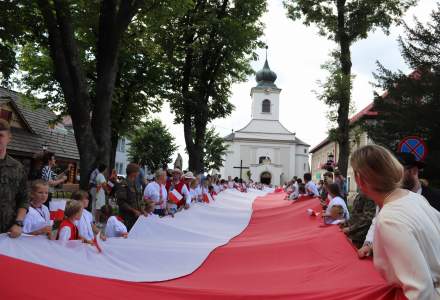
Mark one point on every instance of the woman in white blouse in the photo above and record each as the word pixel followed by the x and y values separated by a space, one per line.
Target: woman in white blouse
pixel 407 235
pixel 156 192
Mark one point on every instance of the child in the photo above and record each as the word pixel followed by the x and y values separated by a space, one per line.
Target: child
pixel 302 190
pixel 101 188
pixel 68 231
pixel 37 220
pixel 335 216
pixel 193 190
pixel 330 214
pixel 86 226
pixel 115 226
pixel 212 191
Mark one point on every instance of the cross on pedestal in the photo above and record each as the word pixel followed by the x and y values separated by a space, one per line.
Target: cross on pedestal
pixel 241 168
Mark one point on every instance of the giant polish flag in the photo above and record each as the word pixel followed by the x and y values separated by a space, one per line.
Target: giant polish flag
pixel 234 248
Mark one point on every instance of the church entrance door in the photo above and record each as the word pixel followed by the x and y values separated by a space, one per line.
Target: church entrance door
pixel 266 178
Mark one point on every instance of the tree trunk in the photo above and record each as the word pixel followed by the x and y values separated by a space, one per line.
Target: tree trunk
pixel 68 72
pixel 343 132
pixel 93 136
pixel 114 146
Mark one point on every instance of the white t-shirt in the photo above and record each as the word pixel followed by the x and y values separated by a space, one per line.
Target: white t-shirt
pixel 407 246
pixel 84 225
pixel 64 234
pixel 199 191
pixel 231 184
pixel 338 201
pixel 217 188
pixel 370 235
pixel 114 227
pixel 100 195
pixel 193 193
pixel 36 218
pixel 311 189
pixel 153 192
pixel 186 194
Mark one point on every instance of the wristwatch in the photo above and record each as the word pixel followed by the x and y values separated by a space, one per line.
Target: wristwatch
pixel 18 223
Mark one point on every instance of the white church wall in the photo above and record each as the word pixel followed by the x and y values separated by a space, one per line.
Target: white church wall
pixel 265 151
pixel 292 162
pixel 285 159
pixel 302 165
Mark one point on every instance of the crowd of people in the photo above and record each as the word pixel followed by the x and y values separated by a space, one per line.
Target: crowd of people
pixel 110 206
pixel 394 218
pixel 164 195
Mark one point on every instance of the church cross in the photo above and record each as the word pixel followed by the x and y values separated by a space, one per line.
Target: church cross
pixel 241 168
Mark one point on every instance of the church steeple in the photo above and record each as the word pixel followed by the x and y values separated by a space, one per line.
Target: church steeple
pixel 265 96
pixel 266 77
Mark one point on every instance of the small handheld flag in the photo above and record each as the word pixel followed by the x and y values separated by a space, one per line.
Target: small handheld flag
pixel 175 196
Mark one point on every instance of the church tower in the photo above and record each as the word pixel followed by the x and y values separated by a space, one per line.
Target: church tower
pixel 264 150
pixel 266 95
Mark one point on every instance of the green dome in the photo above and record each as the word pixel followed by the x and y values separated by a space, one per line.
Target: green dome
pixel 266 76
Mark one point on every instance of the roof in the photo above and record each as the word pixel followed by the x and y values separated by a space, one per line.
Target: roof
pixel 229 137
pixel 366 112
pixel 320 145
pixel 29 141
pixel 266 77
pixel 273 130
pixel 270 126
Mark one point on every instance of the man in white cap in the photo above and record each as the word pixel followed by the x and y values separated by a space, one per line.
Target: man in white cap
pixel 186 179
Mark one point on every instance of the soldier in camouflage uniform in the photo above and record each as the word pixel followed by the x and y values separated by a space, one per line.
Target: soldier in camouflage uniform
pixel 130 197
pixel 361 216
pixel 14 200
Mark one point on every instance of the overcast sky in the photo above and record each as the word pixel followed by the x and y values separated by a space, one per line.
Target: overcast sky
pixel 296 53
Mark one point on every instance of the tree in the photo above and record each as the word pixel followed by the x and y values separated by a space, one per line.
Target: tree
pixel 411 104
pixel 152 145
pixel 333 88
pixel 106 80
pixel 11 30
pixel 209 48
pixel 214 150
pixel 345 22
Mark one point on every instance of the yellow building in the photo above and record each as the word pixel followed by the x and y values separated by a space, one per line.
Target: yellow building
pixel 329 149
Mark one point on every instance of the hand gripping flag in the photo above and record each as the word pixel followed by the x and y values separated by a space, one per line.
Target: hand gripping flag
pixel 207 198
pixel 57 210
pixel 175 196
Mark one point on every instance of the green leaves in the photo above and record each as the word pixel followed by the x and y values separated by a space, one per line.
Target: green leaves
pixel 360 16
pixel 208 48
pixel 214 150
pixel 345 22
pixel 152 145
pixel 411 105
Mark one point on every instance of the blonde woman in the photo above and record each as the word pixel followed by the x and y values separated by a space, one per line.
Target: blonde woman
pixel 156 192
pixel 406 242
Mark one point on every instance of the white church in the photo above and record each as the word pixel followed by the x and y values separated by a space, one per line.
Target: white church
pixel 264 150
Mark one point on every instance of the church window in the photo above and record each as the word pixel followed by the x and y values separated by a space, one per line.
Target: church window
pixel 263 159
pixel 305 151
pixel 266 106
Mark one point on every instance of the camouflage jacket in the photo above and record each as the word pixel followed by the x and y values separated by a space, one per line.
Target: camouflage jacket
pixel 129 196
pixel 361 216
pixel 13 191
